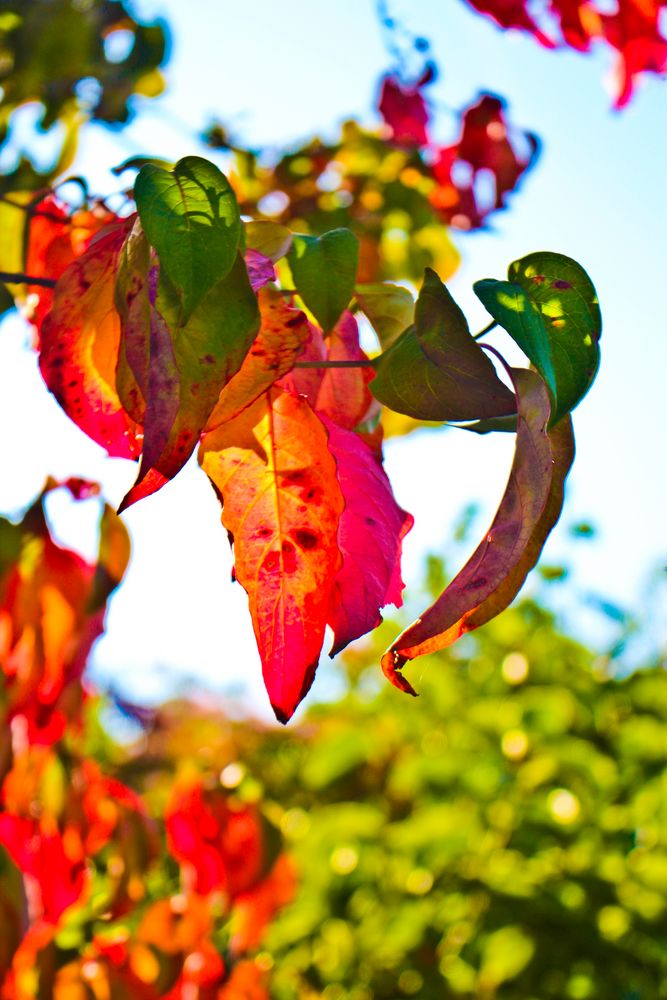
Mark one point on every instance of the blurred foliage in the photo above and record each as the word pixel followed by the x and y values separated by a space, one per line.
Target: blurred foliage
pixel 505 836
pixel 80 60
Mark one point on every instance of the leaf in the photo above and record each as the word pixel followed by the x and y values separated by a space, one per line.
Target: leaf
pixel 268 238
pixel 282 504
pixel 260 269
pixel 191 217
pixel 496 570
pixel 389 308
pixel 485 148
pixel 324 270
pixel 343 394
pixel 370 535
pixel 568 302
pixel 436 370
pixel 282 334
pixel 404 111
pixel 516 312
pixel 132 299
pixel 80 346
pixel 187 369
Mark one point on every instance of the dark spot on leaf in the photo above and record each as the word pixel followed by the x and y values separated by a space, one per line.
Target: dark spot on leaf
pixel 306 539
pixel 295 320
pixel 538 279
pixel 208 359
pixel 369 521
pixel 560 283
pixel 477 582
pixel 289 558
pixel 271 562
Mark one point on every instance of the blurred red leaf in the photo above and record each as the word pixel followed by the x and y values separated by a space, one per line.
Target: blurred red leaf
pixel 404 111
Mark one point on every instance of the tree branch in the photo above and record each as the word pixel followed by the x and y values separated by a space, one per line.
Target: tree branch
pixel 26 279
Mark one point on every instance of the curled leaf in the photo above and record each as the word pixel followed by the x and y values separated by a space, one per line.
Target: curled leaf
pixel 495 572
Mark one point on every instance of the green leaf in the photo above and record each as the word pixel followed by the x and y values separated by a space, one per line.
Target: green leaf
pixel 436 370
pixel 268 238
pixel 324 269
pixel 389 308
pixel 182 371
pixel 191 217
pixel 520 316
pixel 568 302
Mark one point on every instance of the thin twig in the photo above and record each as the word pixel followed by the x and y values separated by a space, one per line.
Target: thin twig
pixel 26 279
pixel 485 330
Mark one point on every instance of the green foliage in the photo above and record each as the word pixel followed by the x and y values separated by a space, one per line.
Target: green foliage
pixel 48 51
pixel 324 269
pixel 191 218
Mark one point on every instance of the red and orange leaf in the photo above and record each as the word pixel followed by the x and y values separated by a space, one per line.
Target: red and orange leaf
pixel 510 547
pixel 282 336
pixel 52 606
pixel 80 344
pixel 370 537
pixel 56 237
pixel 343 395
pixel 282 505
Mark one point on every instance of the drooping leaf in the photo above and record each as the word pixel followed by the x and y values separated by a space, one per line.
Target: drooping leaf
pixel 132 295
pixel 496 570
pixel 324 270
pixel 80 346
pixel 343 394
pixel 389 308
pixel 268 238
pixel 188 367
pixel 282 504
pixel 519 315
pixel 191 217
pixel 436 370
pixel 568 302
pixel 370 536
pixel 282 334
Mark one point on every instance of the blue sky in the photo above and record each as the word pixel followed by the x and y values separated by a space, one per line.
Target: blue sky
pixel 276 74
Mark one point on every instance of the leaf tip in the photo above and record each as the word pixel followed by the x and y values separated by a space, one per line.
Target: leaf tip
pixel 392 664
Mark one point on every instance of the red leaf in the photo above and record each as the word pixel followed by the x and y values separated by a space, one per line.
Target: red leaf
pixel 52 605
pixel 495 572
pixel 484 145
pixel 282 504
pixel 55 239
pixel 512 14
pixel 224 846
pixel 370 534
pixel 404 111
pixel 80 344
pixel 343 394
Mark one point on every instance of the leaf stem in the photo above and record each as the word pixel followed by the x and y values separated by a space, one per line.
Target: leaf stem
pixel 485 330
pixel 334 364
pixel 27 279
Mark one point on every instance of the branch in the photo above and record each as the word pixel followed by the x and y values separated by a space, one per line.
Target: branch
pixel 26 279
pixel 485 330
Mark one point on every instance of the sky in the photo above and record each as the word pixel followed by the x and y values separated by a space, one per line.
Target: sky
pixel 276 74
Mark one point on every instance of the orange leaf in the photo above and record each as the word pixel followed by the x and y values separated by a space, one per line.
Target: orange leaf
pixel 282 504
pixel 80 344
pixel 283 332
